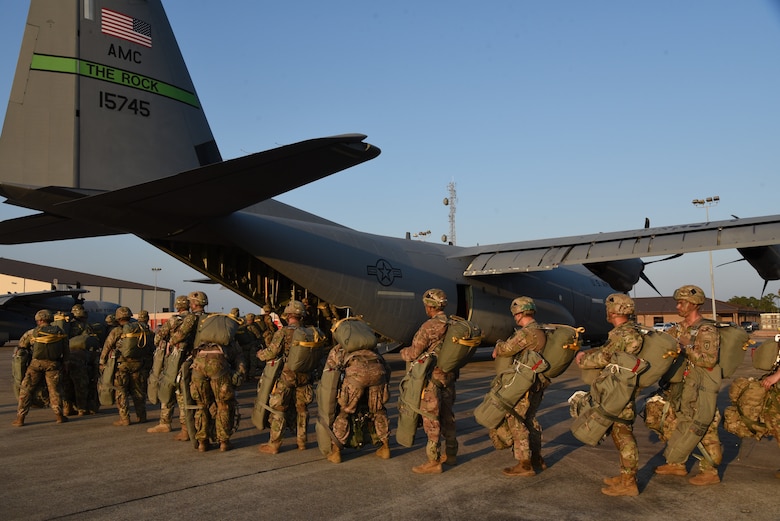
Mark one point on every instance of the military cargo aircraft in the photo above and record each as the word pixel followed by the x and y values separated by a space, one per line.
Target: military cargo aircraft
pixel 104 134
pixel 18 309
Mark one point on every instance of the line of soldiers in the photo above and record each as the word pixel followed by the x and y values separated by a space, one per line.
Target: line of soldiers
pixel 218 368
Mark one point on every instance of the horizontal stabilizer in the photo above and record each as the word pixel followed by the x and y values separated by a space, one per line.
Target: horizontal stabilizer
pixel 37 296
pixel 167 206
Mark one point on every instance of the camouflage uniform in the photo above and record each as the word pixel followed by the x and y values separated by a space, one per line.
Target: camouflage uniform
pixel 438 396
pixel 163 339
pixel 364 372
pixel 624 337
pixel 45 365
pixel 249 338
pixel 216 372
pixel 525 437
pixel 130 379
pixel 291 388
pixel 75 384
pixel 694 399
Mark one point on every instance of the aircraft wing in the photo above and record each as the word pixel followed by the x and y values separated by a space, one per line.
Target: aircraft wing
pixel 168 205
pixel 596 248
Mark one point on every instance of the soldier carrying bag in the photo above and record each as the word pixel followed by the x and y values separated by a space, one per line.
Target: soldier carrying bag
pixel 508 388
pixel 305 352
pixel 562 344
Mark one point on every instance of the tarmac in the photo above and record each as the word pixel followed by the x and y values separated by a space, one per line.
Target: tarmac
pixel 88 469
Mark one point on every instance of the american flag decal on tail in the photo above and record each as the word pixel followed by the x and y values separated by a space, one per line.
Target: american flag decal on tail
pixel 126 27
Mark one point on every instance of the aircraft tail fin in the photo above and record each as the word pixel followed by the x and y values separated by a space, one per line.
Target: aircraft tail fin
pixel 101 99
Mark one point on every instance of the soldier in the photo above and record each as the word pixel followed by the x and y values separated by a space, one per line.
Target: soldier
pixel 439 393
pixel 130 379
pixel 624 336
pixel 270 325
pixel 143 317
pixel 694 400
pixel 250 355
pixel 773 422
pixel 162 340
pixel 522 431
pixel 217 370
pixel 76 378
pixel 365 373
pixel 291 388
pixel 49 346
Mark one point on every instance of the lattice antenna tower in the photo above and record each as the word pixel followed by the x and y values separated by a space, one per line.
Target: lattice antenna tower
pixel 451 201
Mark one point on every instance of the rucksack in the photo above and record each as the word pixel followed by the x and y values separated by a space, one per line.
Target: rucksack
pixel 745 416
pixel 460 341
pixel 49 343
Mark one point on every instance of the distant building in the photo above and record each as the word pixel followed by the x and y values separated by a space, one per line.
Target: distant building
pixel 24 277
pixel 655 310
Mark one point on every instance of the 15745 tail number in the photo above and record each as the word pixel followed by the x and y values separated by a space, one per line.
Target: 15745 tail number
pixel 111 101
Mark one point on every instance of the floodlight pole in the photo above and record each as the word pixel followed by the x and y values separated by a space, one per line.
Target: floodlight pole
pixel 706 203
pixel 155 271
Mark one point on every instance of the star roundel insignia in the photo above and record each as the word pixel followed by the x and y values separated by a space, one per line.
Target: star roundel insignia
pixel 384 272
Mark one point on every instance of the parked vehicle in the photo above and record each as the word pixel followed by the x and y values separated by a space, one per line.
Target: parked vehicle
pixel 750 326
pixel 663 326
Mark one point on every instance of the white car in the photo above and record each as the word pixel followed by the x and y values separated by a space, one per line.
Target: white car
pixel 663 326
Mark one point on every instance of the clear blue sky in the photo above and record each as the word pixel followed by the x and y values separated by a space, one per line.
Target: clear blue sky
pixel 553 118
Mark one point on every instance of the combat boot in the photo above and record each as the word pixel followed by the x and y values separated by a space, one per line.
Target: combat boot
pixel 19 421
pixel 61 418
pixel 270 448
pixel 122 422
pixel 537 462
pixel 161 427
pixel 67 409
pixel 672 469
pixel 203 446
pixel 523 468
pixel 429 467
pixel 625 487
pixel 706 477
pixel 614 480
pixel 383 452
pixel 183 435
pixel 225 446
pixel 335 454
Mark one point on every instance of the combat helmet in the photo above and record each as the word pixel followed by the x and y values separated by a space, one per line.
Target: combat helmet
pixel 199 297
pixel 435 298
pixel 620 304
pixel 123 313
pixel 181 303
pixel 234 312
pixel 143 315
pixel 690 293
pixel 294 308
pixel 250 317
pixel 44 315
pixel 523 305
pixel 78 311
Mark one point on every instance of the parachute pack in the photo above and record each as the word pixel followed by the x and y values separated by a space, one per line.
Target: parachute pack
pixel 767 355
pixel 106 389
pixel 50 343
pixel 216 328
pixel 136 341
pixel 460 341
pixel 562 344
pixel 305 353
pixel 508 388
pixel 353 334
pixel 659 350
pixel 734 341
pixel 261 410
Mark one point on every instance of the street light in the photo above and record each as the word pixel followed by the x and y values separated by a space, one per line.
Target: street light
pixel 155 271
pixel 706 203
